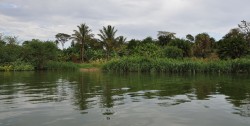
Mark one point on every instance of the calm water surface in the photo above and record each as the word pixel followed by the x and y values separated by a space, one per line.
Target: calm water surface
pixel 131 99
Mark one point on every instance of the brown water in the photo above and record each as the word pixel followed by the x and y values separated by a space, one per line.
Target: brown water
pixel 131 99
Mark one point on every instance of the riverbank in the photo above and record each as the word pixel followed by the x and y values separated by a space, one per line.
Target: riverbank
pixel 53 66
pixel 142 64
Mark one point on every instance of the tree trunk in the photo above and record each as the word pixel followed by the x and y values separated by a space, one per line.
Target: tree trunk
pixel 81 53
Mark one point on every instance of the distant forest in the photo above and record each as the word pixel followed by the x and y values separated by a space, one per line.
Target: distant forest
pixel 86 48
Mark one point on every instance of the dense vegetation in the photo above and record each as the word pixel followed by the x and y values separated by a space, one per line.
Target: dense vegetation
pixel 142 64
pixel 167 53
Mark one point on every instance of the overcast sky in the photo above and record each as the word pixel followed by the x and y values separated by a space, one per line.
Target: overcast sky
pixel 42 19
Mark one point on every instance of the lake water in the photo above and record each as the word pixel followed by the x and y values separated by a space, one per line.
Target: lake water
pixel 123 99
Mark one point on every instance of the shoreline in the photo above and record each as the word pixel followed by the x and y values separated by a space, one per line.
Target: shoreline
pixel 90 69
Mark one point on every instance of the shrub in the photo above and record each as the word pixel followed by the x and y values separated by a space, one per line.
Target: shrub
pixel 173 52
pixel 39 53
pixel 54 65
pixel 16 66
pixel 182 44
pixel 149 50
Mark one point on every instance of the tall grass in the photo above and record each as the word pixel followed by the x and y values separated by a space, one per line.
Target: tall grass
pixel 53 65
pixel 16 66
pixel 141 64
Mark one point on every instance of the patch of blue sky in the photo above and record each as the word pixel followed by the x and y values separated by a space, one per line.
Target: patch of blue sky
pixel 8 6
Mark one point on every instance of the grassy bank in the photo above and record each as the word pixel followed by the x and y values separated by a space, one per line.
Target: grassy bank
pixel 93 64
pixel 53 65
pixel 141 64
pixel 16 66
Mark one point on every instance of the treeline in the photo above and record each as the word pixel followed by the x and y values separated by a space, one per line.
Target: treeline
pixel 85 47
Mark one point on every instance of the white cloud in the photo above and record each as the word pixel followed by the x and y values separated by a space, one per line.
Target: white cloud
pixel 138 19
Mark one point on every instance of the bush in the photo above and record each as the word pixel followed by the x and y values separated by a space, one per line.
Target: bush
pixel 38 53
pixel 17 66
pixel 149 50
pixel 232 47
pixel 92 55
pixel 9 53
pixel 173 52
pixel 182 44
pixel 54 65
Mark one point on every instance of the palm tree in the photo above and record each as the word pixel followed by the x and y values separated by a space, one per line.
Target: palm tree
pixel 108 39
pixel 82 36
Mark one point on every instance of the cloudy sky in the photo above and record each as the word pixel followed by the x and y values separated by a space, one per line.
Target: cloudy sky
pixel 137 19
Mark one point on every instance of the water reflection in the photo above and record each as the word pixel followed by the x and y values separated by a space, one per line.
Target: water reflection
pixel 105 92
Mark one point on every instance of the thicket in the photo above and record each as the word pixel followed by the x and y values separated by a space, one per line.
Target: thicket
pixel 142 64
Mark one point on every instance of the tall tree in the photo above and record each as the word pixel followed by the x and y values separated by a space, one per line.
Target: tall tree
pixel 233 45
pixel 82 35
pixel 39 52
pixel 11 40
pixel 203 45
pixel 165 37
pixel 147 40
pixel 2 41
pixel 245 29
pixel 10 51
pixel 182 44
pixel 189 37
pixel 62 38
pixel 244 26
pixel 121 39
pixel 110 42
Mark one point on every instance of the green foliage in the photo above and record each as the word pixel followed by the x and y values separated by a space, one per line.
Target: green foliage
pixel 182 44
pixel 233 45
pixel 10 53
pixel 147 40
pixel 71 53
pixel 148 50
pixel 203 45
pixel 62 38
pixel 165 37
pixel 94 54
pixel 54 65
pixel 38 53
pixel 142 64
pixel 173 52
pixel 189 37
pixel 86 65
pixel 16 66
pixel 85 47
pixel 94 44
pixel 9 49
pixel 19 65
pixel 10 40
pixel 132 44
pixel 111 43
pixel 2 41
pixel 82 36
pixel 131 64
